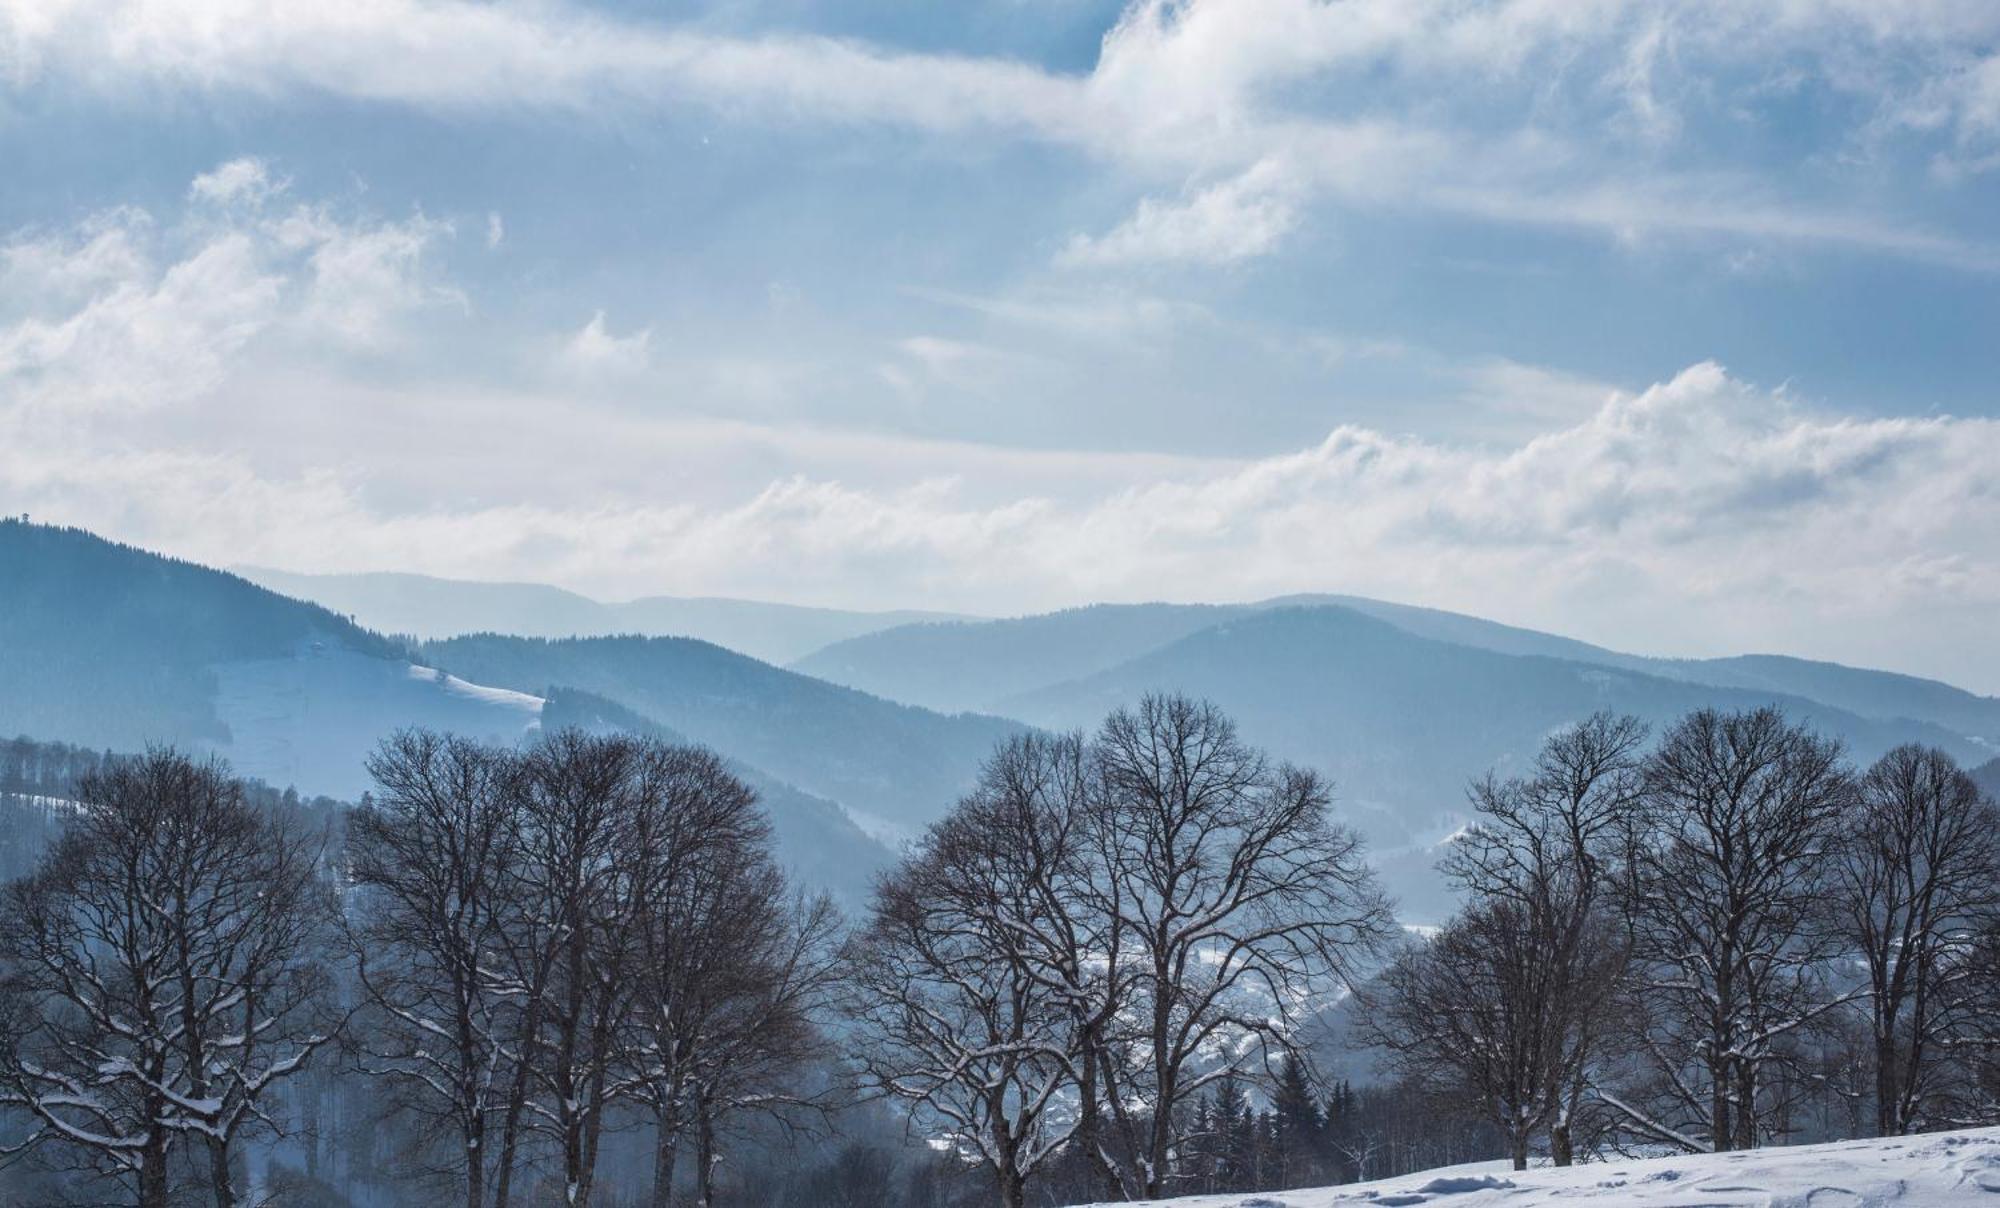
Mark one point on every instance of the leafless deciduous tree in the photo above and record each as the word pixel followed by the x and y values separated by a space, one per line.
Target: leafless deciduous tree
pixel 1240 901
pixel 764 1018
pixel 1920 879
pixel 166 963
pixel 1727 873
pixel 1546 846
pixel 730 970
pixel 580 889
pixel 1469 1010
pixel 1102 930
pixel 432 854
pixel 953 1012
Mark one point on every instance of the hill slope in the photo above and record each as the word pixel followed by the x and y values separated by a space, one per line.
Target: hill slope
pixel 1402 723
pixel 976 664
pixel 811 836
pixel 113 647
pixel 1935 1170
pixel 427 607
pixel 896 767
pixel 989 665
pixel 1988 777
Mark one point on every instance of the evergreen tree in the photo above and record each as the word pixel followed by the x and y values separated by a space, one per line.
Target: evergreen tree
pixel 1298 1129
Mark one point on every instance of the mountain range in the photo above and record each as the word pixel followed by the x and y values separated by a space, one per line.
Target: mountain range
pixel 425 607
pixel 859 743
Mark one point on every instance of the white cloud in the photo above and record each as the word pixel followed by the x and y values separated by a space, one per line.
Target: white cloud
pixel 122 314
pixel 496 230
pixel 1231 220
pixel 595 351
pixel 1503 98
pixel 246 181
pixel 140 357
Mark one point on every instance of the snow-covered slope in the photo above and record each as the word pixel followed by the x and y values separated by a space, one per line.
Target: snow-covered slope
pixel 1939 1170
pixel 311 719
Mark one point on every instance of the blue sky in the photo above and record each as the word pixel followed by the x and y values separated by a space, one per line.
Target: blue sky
pixel 1671 325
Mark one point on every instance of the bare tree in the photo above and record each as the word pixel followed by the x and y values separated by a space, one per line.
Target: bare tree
pixel 953 1010
pixel 763 1033
pixel 1920 878
pixel 579 895
pixel 1240 900
pixel 689 845
pixel 1547 847
pixel 170 954
pixel 730 971
pixel 1727 869
pixel 1469 1012
pixel 432 854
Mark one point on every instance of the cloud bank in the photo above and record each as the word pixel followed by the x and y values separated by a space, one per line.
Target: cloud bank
pixel 136 355
pixel 1525 111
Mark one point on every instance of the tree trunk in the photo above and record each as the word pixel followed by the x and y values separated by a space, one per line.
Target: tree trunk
pixel 475 1173
pixel 1562 1149
pixel 1746 1104
pixel 705 1153
pixel 153 1173
pixel 1517 1146
pixel 666 1149
pixel 1719 1132
pixel 218 1174
pixel 1013 1188
pixel 1887 1095
pixel 309 1103
pixel 593 1123
pixel 517 1100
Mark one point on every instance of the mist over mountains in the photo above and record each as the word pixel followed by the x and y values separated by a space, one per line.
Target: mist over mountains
pixel 426 607
pixel 864 739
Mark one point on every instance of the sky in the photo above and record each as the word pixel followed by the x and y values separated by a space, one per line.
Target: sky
pixel 1674 325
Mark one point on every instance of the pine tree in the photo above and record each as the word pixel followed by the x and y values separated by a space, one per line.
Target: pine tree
pixel 1298 1129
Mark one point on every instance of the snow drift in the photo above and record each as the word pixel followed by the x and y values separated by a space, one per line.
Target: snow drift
pixel 1937 1170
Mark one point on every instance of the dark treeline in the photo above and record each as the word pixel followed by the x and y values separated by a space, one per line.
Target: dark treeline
pixel 573 973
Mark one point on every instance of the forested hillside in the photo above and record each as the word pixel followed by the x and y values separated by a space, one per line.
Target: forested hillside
pixel 897 765
pixel 812 836
pixel 108 645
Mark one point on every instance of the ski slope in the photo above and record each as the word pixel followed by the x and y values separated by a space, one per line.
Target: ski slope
pixel 1938 1170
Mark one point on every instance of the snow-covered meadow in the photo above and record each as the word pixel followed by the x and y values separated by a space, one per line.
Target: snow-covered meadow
pixel 1936 1170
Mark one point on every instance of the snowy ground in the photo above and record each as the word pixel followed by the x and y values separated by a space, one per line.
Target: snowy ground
pixel 1940 1170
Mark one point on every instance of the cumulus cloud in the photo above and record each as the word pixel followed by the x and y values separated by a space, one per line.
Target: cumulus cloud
pixel 244 181
pixel 122 313
pixel 1225 222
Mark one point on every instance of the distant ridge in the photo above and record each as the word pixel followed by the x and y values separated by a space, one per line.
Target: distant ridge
pixel 427 607
pixel 895 766
pixel 988 665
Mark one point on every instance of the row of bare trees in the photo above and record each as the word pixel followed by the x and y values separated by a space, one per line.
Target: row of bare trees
pixel 517 945
pixel 1679 943
pixel 595 923
pixel 162 975
pixel 1102 931
pixel 1075 979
